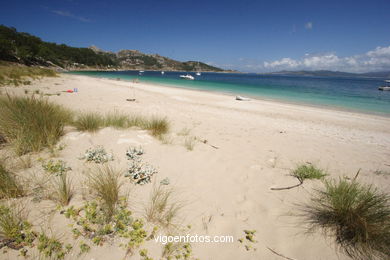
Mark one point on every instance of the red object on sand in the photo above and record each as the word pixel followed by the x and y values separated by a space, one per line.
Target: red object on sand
pixel 69 91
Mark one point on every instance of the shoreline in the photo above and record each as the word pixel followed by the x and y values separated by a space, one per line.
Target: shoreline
pixel 252 97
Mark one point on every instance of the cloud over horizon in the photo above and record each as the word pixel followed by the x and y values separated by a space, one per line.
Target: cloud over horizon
pixel 374 60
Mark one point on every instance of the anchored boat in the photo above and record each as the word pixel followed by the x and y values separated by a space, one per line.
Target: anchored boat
pixel 385 88
pixel 188 76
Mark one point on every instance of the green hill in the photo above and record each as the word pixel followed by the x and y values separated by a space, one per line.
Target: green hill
pixel 27 49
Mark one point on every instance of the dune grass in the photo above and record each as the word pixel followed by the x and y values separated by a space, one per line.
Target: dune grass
pixel 157 126
pixel 162 209
pixel 356 215
pixel 12 74
pixel 63 189
pixel 116 120
pixel 92 122
pixel 9 185
pixel 104 182
pixel 31 124
pixel 89 121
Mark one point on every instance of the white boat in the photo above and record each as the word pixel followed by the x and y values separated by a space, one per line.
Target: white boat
pixel 188 76
pixel 385 88
pixel 198 74
pixel 162 72
pixel 141 71
pixel 241 98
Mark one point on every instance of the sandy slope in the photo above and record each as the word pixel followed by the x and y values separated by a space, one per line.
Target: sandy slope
pixel 226 190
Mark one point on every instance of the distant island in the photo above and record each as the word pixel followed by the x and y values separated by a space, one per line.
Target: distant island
pixel 27 49
pixel 328 73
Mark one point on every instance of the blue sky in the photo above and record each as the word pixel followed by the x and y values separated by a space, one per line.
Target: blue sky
pixel 247 35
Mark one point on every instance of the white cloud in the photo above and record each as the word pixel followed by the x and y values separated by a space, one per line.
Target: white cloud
pixel 70 15
pixel 309 25
pixel 374 60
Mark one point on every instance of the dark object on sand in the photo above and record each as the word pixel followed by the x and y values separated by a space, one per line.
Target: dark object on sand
pixel 130 99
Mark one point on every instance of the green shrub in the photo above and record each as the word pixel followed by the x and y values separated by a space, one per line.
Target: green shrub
pixel 308 172
pixel 31 123
pixel 356 215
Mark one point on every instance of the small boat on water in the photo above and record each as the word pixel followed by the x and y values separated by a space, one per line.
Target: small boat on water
pixel 198 74
pixel 162 72
pixel 385 88
pixel 188 76
pixel 141 71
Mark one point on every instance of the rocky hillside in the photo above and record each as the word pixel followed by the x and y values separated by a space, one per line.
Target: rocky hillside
pixel 134 59
pixel 30 50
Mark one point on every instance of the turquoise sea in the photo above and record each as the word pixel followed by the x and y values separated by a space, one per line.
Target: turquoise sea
pixel 356 94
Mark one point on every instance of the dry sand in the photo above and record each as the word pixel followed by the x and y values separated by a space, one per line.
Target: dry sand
pixel 226 190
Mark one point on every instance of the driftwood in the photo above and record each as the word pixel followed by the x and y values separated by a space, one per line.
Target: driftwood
pixel 206 142
pixel 289 187
pixel 278 254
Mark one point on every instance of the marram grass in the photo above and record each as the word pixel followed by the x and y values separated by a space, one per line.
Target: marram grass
pixel 104 182
pixel 30 123
pixel 16 75
pixel 9 185
pixel 357 216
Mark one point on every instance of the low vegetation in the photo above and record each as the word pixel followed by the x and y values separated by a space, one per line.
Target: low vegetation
pixel 63 189
pixel 51 247
pixel 92 122
pixel 97 155
pixel 305 172
pixel 9 185
pixel 16 74
pixel 105 184
pixel 162 209
pixel 139 172
pixel 157 126
pixel 356 215
pixel 89 121
pixel 31 124
pixel 14 227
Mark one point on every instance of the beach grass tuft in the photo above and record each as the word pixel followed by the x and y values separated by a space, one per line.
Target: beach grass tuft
pixel 9 185
pixel 63 189
pixel 157 126
pixel 104 182
pixel 31 123
pixel 356 215
pixel 162 209
pixel 116 120
pixel 89 121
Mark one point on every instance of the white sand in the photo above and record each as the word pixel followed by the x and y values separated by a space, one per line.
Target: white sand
pixel 226 190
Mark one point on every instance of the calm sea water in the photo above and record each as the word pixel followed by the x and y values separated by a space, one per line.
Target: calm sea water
pixel 357 94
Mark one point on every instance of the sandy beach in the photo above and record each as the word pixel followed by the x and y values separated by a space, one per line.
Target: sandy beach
pixel 241 149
